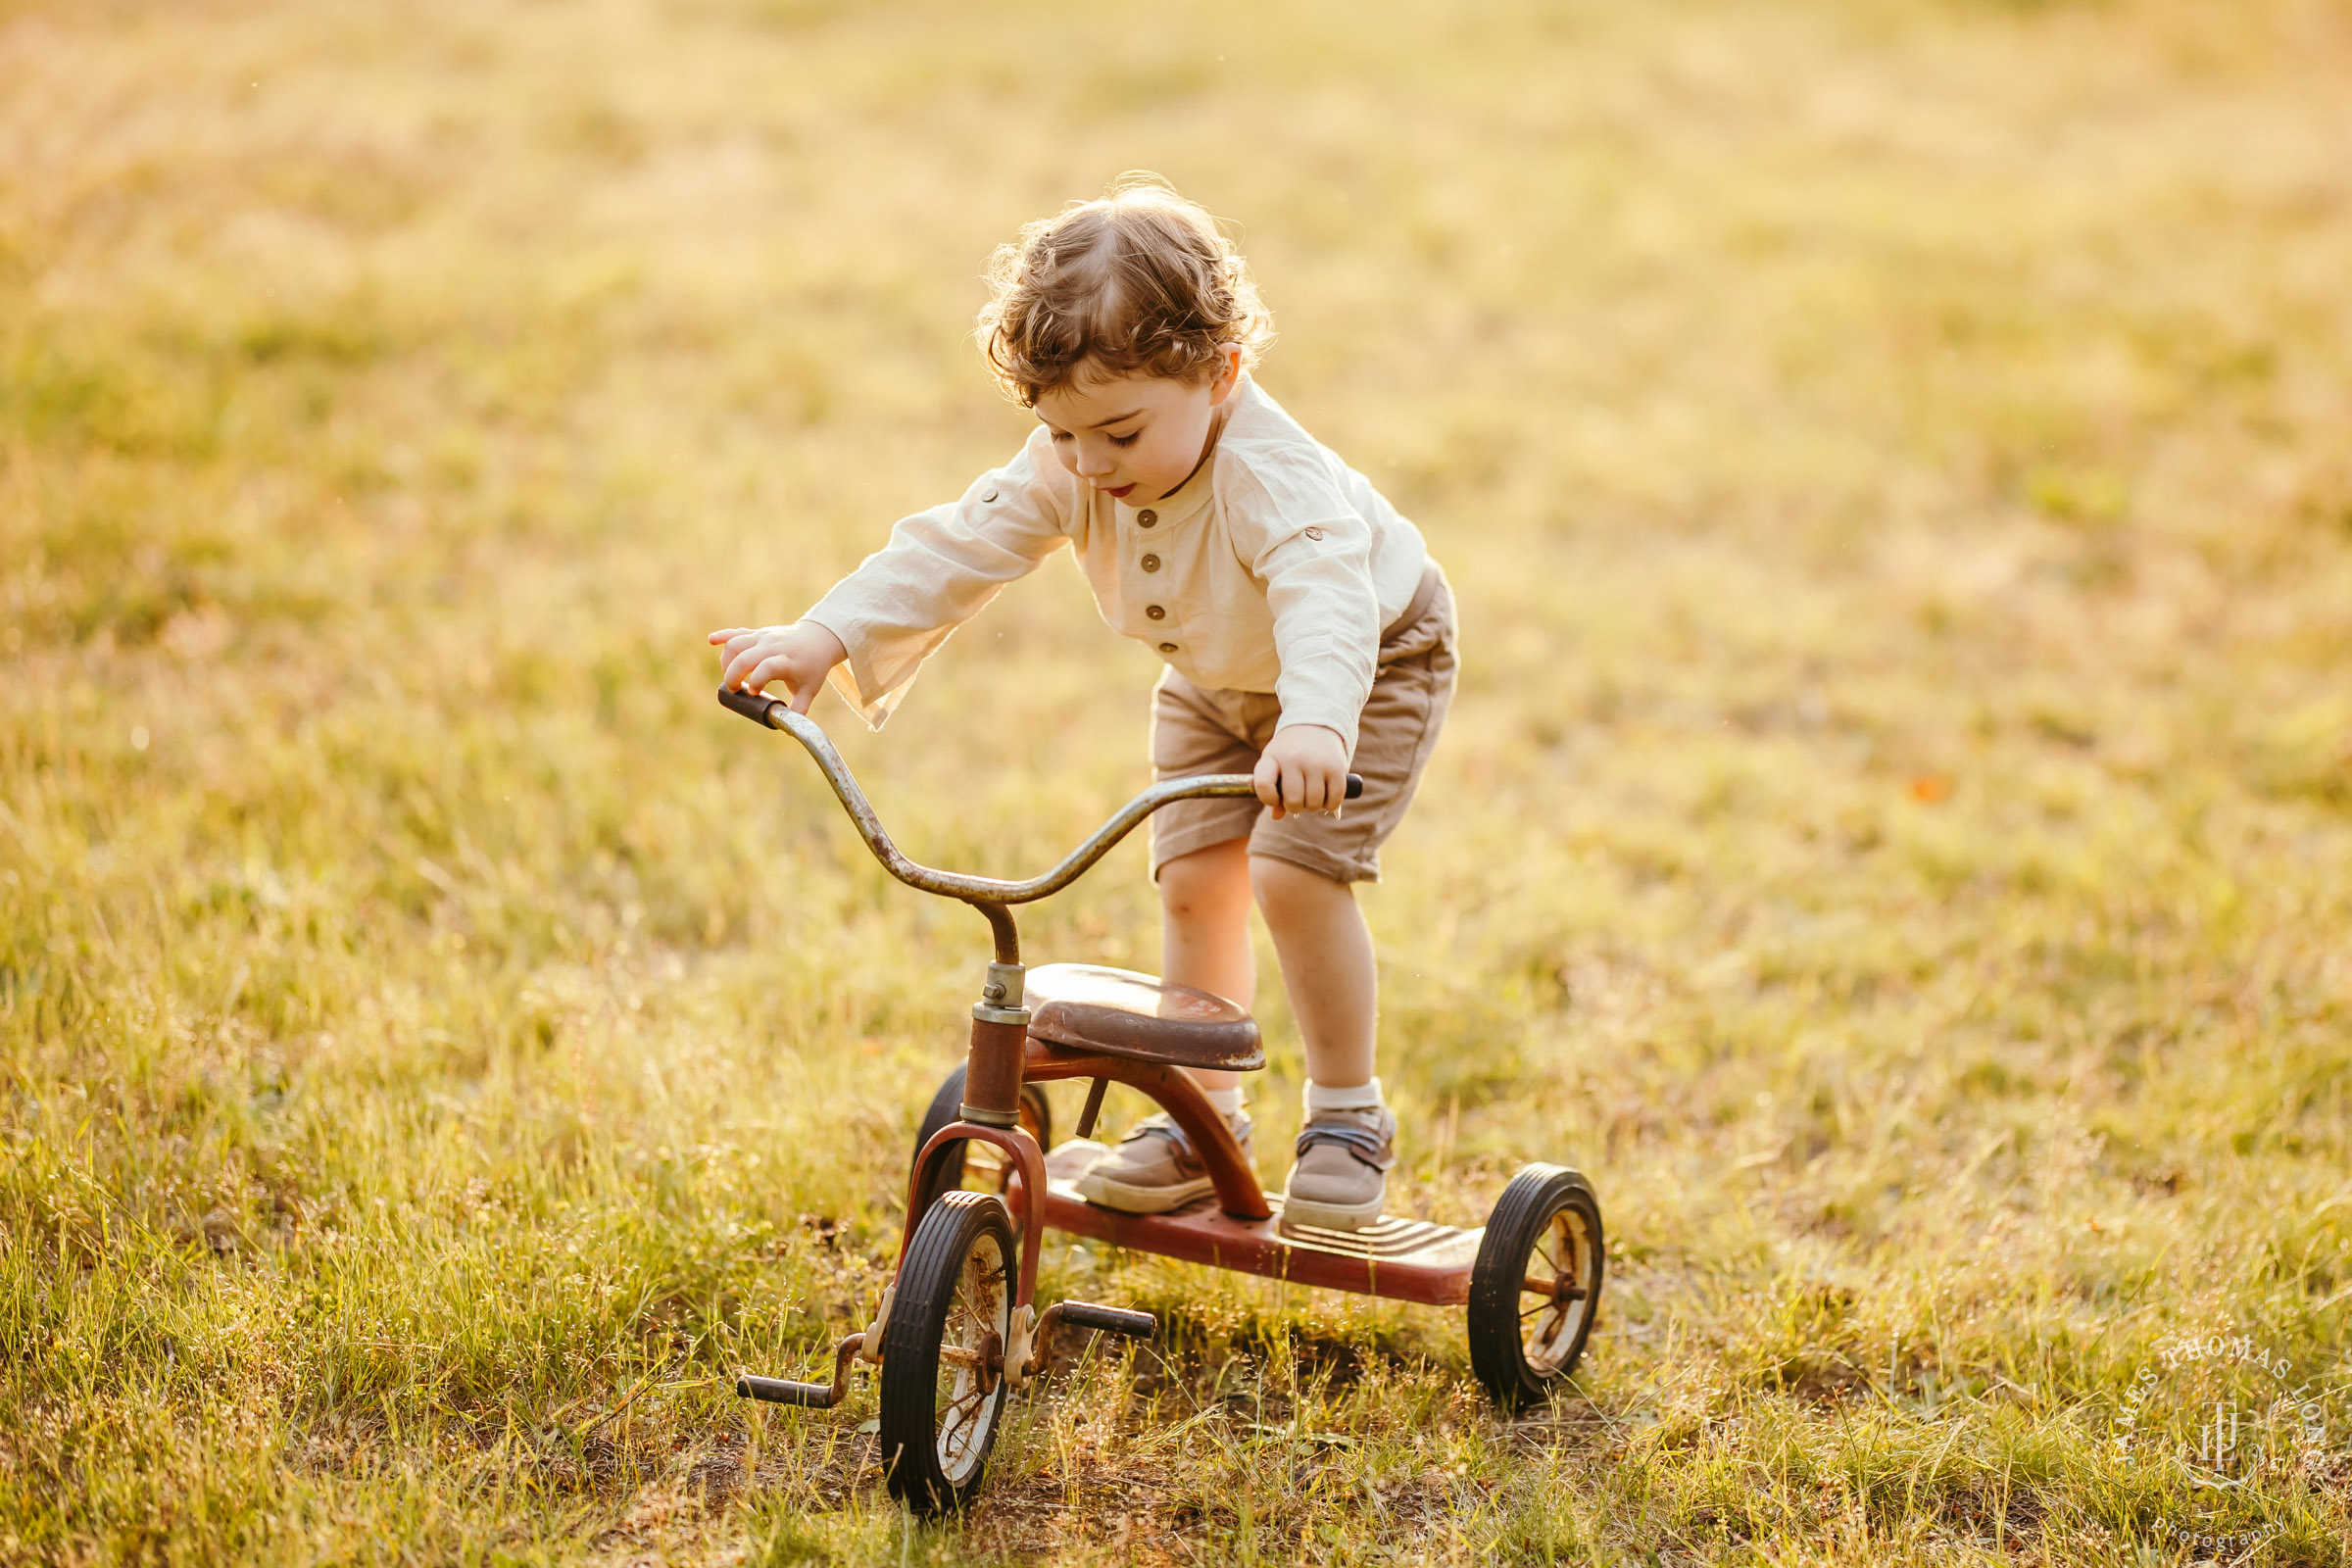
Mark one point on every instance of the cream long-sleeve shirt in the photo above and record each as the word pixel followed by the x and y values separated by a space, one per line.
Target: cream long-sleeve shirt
pixel 1272 570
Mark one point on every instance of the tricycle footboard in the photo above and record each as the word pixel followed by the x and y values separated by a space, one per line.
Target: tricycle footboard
pixel 1400 1259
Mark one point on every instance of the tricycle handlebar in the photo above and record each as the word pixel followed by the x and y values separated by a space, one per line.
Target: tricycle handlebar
pixel 778 715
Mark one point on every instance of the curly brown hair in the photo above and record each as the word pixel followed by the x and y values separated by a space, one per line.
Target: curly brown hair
pixel 1140 280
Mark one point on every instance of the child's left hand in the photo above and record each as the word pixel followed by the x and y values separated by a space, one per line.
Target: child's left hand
pixel 1303 768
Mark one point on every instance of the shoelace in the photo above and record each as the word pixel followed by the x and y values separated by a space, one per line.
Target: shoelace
pixel 1361 1142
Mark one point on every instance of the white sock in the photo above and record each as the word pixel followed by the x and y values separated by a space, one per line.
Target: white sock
pixel 1363 1096
pixel 1227 1100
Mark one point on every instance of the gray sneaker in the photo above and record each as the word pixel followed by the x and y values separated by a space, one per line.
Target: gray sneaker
pixel 1156 1168
pixel 1341 1175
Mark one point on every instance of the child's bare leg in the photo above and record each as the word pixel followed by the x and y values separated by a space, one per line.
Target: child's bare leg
pixel 1204 930
pixel 1349 1143
pixel 1327 968
pixel 1205 899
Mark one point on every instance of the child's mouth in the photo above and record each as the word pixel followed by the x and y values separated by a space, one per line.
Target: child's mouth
pixel 1120 494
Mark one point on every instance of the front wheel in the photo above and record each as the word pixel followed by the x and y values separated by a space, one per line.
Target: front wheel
pixel 1536 1285
pixel 943 1358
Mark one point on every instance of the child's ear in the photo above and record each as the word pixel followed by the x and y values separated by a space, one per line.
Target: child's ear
pixel 1229 373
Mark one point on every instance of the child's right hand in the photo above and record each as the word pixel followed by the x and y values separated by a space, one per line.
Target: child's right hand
pixel 800 655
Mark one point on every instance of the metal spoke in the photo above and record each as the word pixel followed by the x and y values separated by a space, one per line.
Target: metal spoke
pixel 954 1414
pixel 1549 1326
pixel 965 1407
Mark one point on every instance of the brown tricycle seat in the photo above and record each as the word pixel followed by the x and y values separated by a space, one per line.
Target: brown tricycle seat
pixel 1121 1013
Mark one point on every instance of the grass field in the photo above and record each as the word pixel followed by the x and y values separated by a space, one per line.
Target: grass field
pixel 1895 835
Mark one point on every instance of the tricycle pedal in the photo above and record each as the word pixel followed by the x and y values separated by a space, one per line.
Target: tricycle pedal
pixel 812 1396
pixel 777 1390
pixel 1110 1320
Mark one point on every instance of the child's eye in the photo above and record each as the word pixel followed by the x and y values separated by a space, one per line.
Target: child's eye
pixel 1127 440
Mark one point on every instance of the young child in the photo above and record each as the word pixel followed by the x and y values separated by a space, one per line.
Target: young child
pixel 1303 624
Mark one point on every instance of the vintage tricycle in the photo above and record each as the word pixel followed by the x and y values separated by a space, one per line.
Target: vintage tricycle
pixel 958 1331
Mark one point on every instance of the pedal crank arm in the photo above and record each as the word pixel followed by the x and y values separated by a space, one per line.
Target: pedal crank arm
pixel 812 1396
pixel 1082 1315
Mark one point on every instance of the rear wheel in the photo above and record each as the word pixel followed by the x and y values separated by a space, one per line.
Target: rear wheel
pixel 943 1372
pixel 1536 1285
pixel 967 1164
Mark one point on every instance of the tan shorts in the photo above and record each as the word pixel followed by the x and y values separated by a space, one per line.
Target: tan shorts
pixel 1196 731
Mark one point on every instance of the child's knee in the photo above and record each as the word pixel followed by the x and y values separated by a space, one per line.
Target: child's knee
pixel 1281 884
pixel 1204 883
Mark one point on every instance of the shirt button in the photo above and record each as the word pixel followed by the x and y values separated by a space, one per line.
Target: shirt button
pixel 1151 563
pixel 1167 648
pixel 1145 519
pixel 986 499
pixel 1156 613
pixel 1314 533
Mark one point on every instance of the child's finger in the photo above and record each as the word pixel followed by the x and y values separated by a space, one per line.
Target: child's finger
pixel 1314 789
pixel 726 636
pixel 773 668
pixel 739 664
pixel 1267 776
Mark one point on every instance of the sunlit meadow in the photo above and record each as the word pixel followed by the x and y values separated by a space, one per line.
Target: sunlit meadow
pixel 1896 834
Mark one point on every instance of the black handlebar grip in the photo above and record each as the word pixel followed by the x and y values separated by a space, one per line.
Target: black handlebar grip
pixel 751 705
pixel 776 1391
pixel 1110 1320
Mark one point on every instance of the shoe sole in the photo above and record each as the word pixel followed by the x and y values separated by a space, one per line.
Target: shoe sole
pixel 1104 1193
pixel 1331 1216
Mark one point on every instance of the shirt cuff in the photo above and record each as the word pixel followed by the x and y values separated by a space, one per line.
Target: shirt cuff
pixel 854 679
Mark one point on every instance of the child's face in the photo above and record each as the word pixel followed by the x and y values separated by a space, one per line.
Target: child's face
pixel 1136 437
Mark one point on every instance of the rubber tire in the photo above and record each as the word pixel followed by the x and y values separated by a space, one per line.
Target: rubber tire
pixel 909 1417
pixel 1037 1114
pixel 1497 1352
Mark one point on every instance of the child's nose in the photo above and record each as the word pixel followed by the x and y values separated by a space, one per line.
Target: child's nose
pixel 1091 464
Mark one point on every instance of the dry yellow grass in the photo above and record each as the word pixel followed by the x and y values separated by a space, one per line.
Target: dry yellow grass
pixel 1896 836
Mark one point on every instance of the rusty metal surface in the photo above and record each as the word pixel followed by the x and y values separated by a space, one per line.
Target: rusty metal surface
pixel 1173 1090
pixel 811 1395
pixel 1091 1007
pixel 1020 1193
pixel 1399 1259
pixel 992 1074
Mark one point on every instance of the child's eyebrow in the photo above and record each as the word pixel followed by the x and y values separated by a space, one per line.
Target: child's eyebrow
pixel 1099 424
